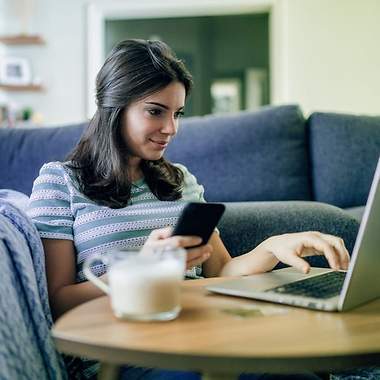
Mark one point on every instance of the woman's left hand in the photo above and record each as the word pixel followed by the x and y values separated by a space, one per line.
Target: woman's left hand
pixel 196 254
pixel 290 248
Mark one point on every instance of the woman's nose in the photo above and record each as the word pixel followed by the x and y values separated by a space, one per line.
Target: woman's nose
pixel 170 126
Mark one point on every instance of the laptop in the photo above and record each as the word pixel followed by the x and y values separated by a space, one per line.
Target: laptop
pixel 321 288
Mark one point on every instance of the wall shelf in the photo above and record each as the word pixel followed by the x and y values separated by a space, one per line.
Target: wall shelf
pixel 29 87
pixel 22 39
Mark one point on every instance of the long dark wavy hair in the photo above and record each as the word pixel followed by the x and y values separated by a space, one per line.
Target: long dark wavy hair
pixel 133 70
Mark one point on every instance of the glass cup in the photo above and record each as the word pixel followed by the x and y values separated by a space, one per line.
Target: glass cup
pixel 142 285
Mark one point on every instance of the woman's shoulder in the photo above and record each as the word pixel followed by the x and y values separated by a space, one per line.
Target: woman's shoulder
pixel 192 190
pixel 57 166
pixel 57 171
pixel 52 165
pixel 183 169
pixel 189 178
pixel 49 169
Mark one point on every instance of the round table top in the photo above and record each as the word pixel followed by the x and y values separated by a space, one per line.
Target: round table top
pixel 225 334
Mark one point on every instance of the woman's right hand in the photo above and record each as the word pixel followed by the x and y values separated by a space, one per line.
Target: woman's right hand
pixel 195 256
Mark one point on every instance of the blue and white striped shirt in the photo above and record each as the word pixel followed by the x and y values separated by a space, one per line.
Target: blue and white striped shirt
pixel 61 211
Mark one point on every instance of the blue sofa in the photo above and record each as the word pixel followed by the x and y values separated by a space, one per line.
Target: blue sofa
pixel 276 171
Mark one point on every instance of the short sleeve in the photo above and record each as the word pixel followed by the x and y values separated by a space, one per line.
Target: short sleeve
pixel 192 191
pixel 50 205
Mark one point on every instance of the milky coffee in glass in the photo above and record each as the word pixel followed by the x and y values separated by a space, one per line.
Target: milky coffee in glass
pixel 142 285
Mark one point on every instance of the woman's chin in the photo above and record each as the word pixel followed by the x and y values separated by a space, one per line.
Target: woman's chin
pixel 154 156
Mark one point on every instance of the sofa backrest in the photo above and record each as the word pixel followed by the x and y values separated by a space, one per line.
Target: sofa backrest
pixel 249 156
pixel 24 151
pixel 344 150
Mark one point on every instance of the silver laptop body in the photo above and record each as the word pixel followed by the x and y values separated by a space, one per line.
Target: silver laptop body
pixel 360 285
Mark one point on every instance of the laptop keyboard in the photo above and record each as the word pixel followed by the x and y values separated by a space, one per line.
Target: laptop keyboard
pixel 323 286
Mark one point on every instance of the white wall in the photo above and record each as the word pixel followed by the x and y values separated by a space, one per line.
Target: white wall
pixel 328 56
pixel 60 63
pixel 331 55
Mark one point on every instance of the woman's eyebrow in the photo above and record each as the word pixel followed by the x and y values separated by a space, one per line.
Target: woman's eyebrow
pixel 162 105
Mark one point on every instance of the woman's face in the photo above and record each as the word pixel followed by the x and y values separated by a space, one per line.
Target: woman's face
pixel 150 123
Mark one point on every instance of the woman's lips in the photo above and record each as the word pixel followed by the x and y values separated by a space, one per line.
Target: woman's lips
pixel 160 143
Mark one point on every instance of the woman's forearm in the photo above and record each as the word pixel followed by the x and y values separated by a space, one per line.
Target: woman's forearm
pixel 259 260
pixel 69 296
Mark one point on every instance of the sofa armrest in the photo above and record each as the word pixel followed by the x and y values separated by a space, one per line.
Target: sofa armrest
pixel 356 212
pixel 246 224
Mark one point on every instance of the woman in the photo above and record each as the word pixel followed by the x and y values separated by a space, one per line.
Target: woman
pixel 117 190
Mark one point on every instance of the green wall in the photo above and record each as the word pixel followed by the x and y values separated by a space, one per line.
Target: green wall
pixel 212 47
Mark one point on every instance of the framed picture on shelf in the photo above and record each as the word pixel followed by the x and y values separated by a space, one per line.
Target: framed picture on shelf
pixel 15 71
pixel 226 95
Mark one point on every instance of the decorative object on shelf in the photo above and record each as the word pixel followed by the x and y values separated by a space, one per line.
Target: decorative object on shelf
pixel 8 115
pixel 226 95
pixel 3 115
pixel 16 115
pixel 15 71
pixel 26 113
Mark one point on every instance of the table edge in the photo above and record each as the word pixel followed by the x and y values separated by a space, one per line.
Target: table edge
pixel 226 364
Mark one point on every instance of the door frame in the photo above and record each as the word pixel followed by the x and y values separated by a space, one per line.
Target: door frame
pixel 99 11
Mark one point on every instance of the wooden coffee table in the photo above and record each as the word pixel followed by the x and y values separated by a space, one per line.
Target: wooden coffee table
pixel 223 336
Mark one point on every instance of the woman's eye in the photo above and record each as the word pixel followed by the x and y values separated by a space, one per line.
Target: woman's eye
pixel 178 114
pixel 155 112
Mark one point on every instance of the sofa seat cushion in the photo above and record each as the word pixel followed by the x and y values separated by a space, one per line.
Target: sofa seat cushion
pixel 247 156
pixel 344 150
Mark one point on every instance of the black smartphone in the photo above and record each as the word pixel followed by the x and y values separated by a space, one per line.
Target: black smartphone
pixel 199 219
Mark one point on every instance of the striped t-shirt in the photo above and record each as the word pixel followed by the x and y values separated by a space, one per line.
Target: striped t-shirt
pixel 61 211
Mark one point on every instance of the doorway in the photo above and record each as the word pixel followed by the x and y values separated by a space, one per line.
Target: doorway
pixel 228 56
